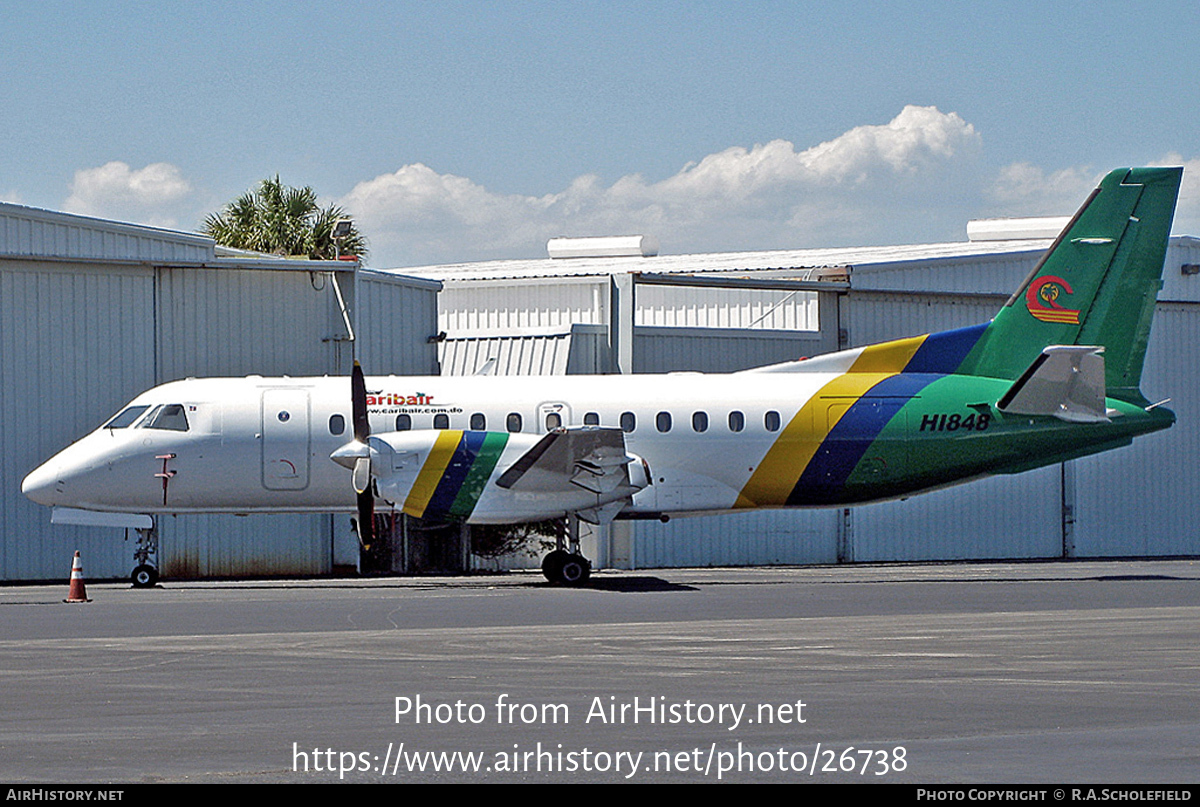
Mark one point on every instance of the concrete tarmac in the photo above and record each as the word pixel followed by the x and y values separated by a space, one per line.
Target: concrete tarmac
pixel 1023 673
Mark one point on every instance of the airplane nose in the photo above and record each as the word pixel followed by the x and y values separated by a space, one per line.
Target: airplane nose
pixel 43 485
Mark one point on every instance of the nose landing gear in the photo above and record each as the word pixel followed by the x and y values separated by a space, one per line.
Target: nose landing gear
pixel 145 574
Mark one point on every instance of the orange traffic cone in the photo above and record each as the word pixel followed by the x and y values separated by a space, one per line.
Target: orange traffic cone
pixel 77 593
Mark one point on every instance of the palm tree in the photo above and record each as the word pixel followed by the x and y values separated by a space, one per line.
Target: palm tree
pixel 283 220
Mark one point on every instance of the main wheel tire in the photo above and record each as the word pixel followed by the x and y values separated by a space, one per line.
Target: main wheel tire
pixel 575 570
pixel 144 576
pixel 552 565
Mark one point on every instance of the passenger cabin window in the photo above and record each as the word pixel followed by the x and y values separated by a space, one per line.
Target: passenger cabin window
pixel 441 421
pixel 771 421
pixel 403 423
pixel 699 421
pixel 513 422
pixel 591 419
pixel 628 422
pixel 737 421
pixel 553 421
pixel 129 415
pixel 171 418
pixel 337 424
pixel 478 422
pixel 662 421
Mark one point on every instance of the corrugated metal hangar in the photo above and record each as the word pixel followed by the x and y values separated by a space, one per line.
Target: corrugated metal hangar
pixel 644 313
pixel 94 312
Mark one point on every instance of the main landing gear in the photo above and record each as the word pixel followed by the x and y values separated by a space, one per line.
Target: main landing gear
pixel 567 567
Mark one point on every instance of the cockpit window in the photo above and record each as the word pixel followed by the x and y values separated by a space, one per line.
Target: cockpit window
pixel 127 416
pixel 170 417
pixel 145 421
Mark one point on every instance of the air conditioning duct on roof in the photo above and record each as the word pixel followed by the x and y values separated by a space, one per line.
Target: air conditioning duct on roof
pixel 604 246
pixel 1016 229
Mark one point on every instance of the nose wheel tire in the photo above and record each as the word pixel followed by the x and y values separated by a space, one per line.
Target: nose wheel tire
pixel 563 567
pixel 144 576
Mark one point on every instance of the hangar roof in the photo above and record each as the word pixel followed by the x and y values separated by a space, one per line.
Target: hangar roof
pixel 806 262
pixel 30 232
pixel 973 267
pixel 37 234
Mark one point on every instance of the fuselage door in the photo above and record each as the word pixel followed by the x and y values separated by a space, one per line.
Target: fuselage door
pixel 553 415
pixel 859 447
pixel 285 439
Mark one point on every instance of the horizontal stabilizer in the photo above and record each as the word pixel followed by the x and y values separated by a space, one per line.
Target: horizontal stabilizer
pixel 1066 381
pixel 591 458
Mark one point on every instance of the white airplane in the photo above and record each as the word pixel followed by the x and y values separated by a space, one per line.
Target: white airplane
pixel 1054 376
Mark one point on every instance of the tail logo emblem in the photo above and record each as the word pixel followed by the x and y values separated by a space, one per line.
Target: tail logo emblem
pixel 1042 300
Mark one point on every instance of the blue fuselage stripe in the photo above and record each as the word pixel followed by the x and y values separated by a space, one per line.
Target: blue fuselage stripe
pixel 825 476
pixel 944 352
pixel 456 473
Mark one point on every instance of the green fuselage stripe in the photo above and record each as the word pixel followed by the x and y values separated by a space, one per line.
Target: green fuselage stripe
pixel 481 471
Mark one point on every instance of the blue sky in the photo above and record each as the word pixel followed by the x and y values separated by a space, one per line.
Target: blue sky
pixel 464 131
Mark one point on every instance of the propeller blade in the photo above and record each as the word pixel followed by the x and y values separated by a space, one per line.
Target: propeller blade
pixel 358 404
pixel 362 465
pixel 366 518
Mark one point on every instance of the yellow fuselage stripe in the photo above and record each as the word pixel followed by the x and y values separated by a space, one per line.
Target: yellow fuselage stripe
pixel 431 472
pixel 776 476
pixel 888 357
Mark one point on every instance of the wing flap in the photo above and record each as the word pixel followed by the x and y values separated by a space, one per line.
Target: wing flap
pixel 591 458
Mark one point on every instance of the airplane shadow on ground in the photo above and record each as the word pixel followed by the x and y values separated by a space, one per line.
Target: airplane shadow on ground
pixel 627 585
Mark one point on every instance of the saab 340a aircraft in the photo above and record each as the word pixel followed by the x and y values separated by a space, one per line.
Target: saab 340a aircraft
pixel 1056 375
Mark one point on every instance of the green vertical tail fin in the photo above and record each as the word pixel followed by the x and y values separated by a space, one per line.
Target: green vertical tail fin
pixel 1095 286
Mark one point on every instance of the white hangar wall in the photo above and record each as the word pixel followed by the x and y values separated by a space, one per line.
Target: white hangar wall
pixel 94 312
pixel 397 317
pixel 1139 500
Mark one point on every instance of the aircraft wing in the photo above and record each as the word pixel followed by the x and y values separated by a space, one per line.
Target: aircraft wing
pixel 592 458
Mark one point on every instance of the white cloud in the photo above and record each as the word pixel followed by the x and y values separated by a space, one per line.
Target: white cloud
pixel 922 163
pixel 149 195
pixel 916 140
pixel 1023 189
pixel 1187 210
